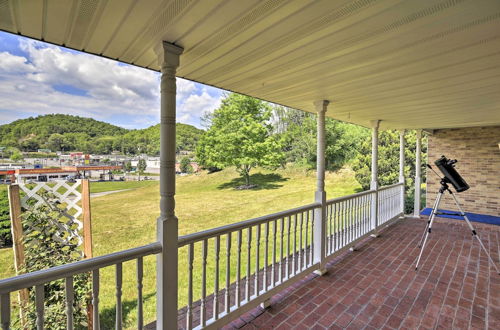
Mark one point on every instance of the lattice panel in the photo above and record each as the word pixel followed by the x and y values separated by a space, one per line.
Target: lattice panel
pixel 68 195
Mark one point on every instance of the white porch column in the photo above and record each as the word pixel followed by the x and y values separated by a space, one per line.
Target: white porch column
pixel 418 169
pixel 402 167
pixel 320 195
pixel 167 224
pixel 374 180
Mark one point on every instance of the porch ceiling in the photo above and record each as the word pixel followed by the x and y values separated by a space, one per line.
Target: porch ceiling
pixel 412 64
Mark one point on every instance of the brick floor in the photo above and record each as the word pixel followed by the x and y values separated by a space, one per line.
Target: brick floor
pixel 377 287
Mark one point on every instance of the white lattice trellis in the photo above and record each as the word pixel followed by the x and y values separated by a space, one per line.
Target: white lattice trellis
pixel 69 197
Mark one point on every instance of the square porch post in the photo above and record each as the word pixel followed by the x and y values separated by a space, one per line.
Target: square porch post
pixel 418 170
pixel 402 167
pixel 319 238
pixel 167 223
pixel 374 171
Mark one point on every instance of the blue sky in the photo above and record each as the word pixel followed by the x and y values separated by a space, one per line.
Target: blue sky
pixel 37 78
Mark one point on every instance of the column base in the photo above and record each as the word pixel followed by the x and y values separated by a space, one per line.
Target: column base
pixel 321 271
pixel 266 303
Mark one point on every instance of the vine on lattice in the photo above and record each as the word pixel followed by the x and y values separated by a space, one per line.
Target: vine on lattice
pixel 66 197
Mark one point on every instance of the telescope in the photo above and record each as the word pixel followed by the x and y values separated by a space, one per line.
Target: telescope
pixel 447 167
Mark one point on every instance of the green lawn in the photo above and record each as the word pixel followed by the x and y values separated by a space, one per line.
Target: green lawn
pixel 97 187
pixel 128 219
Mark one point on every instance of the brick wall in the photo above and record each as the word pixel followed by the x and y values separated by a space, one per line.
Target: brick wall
pixel 478 155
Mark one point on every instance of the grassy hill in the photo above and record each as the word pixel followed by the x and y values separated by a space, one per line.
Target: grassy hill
pixel 72 133
pixel 128 219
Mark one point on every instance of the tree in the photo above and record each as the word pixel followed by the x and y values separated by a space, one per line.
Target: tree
pixel 297 130
pixel 240 135
pixel 16 156
pixel 388 162
pixel 141 167
pixel 185 165
pixel 127 166
pixel 56 142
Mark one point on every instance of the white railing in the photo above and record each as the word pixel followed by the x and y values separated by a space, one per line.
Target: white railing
pixel 260 257
pixel 39 279
pixel 348 219
pixel 390 202
pixel 231 269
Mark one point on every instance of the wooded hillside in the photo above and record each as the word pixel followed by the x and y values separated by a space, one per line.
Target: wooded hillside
pixel 72 133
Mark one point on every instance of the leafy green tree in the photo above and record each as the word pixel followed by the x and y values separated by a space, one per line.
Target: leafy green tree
pixel 56 142
pixel 141 167
pixel 16 156
pixel 298 129
pixel 240 135
pixel 127 166
pixel 388 162
pixel 185 165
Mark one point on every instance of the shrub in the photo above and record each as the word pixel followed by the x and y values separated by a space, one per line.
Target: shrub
pixel 185 165
pixel 44 248
pixel 5 233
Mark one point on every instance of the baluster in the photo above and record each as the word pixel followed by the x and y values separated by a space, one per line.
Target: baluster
pixel 95 299
pixel 288 247
pixel 257 257
pixel 282 230
pixel 357 216
pixel 216 281
pixel 353 219
pixel 330 224
pixel 300 255
pixel 335 227
pixel 5 310
pixel 228 272
pixel 203 307
pixel 346 222
pixel 306 242
pixel 311 250
pixel 340 227
pixel 189 318
pixel 266 256
pixel 140 311
pixel 349 220
pixel 238 271
pixel 249 245
pixel 39 299
pixel 119 278
pixel 294 256
pixel 273 269
pixel 68 288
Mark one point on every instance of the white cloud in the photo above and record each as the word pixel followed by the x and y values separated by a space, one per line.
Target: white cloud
pixel 51 79
pixel 14 64
pixel 197 104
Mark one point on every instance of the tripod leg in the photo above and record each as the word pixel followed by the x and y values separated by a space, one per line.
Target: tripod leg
pixel 433 211
pixel 429 226
pixel 474 233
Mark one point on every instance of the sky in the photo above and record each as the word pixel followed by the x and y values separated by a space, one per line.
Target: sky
pixel 37 78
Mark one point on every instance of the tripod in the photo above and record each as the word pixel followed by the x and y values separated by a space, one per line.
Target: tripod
pixel 435 209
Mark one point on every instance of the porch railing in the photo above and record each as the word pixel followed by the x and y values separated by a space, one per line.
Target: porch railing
pixel 230 269
pixel 38 279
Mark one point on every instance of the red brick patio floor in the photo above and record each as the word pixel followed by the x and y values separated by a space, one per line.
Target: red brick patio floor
pixel 377 287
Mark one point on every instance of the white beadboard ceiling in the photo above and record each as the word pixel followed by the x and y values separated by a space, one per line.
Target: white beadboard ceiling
pixel 412 64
